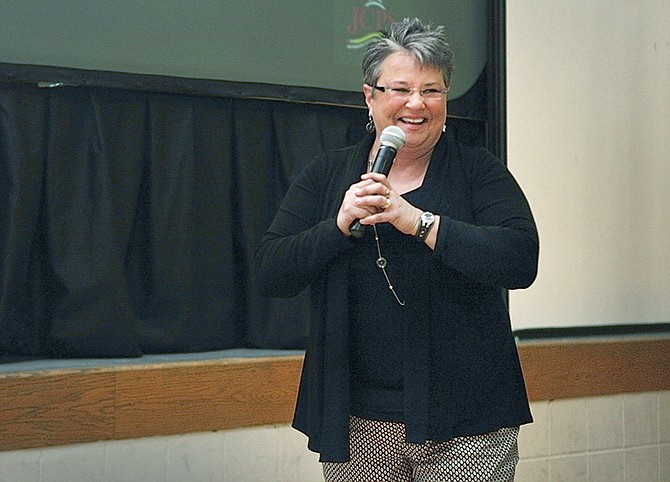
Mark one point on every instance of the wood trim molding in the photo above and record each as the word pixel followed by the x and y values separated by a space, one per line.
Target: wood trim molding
pixel 60 407
pixel 573 369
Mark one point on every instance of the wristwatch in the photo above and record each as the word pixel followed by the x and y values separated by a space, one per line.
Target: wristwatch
pixel 426 222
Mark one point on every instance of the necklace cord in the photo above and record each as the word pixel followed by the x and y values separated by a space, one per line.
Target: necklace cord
pixel 381 264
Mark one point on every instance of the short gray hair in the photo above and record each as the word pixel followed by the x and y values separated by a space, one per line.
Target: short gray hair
pixel 423 42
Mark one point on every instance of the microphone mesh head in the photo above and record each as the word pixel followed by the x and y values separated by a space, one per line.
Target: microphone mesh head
pixel 392 136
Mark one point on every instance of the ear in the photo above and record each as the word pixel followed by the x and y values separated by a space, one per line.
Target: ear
pixel 367 91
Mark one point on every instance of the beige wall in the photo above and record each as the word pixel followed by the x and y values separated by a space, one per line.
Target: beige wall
pixel 616 438
pixel 589 140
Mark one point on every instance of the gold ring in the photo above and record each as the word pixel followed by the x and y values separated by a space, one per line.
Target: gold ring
pixel 386 204
pixel 388 193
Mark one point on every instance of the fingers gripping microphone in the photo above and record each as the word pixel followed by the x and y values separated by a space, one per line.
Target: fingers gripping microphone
pixel 391 141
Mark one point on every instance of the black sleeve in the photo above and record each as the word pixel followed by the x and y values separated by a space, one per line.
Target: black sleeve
pixel 303 237
pixel 501 246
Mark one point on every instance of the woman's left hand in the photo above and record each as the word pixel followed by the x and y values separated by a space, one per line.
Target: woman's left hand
pixel 389 206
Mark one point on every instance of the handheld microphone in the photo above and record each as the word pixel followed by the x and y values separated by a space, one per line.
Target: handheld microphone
pixel 391 140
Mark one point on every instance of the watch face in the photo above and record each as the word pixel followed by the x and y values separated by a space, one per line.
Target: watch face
pixel 426 222
pixel 427 218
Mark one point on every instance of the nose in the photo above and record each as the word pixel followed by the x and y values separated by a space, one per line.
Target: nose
pixel 415 97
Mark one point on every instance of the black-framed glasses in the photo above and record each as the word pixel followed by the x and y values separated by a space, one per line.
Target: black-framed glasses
pixel 429 93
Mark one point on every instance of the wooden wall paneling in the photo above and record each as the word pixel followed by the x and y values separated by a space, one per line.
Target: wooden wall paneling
pixel 44 408
pixel 59 407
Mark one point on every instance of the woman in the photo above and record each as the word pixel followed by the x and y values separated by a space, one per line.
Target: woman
pixel 411 372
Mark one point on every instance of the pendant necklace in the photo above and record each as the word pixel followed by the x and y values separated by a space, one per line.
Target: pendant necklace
pixel 381 261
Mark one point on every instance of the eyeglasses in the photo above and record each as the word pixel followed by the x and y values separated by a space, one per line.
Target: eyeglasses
pixel 405 93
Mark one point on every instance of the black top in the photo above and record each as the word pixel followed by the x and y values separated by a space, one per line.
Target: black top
pixel 378 321
pixel 461 372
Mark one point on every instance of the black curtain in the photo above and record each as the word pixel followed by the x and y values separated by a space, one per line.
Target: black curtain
pixel 131 206
pixel 128 220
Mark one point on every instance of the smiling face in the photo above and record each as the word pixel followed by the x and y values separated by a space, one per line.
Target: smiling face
pixel 421 118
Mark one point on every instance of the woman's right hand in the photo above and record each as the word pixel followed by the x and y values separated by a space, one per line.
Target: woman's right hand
pixel 361 200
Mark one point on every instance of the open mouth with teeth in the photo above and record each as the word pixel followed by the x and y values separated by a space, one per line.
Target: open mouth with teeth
pixel 407 120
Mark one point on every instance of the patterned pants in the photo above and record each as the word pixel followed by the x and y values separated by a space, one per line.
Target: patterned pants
pixel 379 453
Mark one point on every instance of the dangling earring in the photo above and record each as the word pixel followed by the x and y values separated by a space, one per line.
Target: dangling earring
pixel 444 127
pixel 370 126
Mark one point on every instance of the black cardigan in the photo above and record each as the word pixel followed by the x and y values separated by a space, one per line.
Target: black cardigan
pixel 462 374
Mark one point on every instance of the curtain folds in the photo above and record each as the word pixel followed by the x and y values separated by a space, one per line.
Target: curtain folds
pixel 128 220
